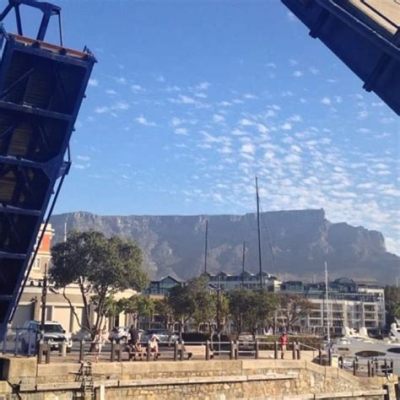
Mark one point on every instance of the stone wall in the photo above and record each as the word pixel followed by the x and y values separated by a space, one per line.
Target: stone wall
pixel 169 380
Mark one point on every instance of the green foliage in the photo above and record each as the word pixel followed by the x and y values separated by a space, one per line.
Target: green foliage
pixel 293 307
pixel 101 267
pixel 163 309
pixel 251 309
pixel 392 303
pixel 199 302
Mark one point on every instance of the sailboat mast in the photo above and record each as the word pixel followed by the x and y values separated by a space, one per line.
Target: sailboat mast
pixel 243 262
pixel 259 235
pixel 326 302
pixel 206 248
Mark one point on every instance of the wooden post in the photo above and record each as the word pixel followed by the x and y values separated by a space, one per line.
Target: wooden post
pixel 369 368
pixel 257 349
pixel 276 350
pixel 293 350
pixel 81 350
pixel 113 350
pixel 236 350
pixel 148 351
pixel 41 351
pixel 298 350
pixel 175 350
pixel 320 356
pixel 119 352
pixel 330 357
pixel 182 348
pixel 47 350
pixel 207 350
pixel 232 350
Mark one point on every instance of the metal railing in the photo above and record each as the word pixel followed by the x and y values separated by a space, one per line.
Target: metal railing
pixel 121 351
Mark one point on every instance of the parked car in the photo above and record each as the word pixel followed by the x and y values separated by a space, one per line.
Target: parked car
pixel 165 337
pixel 54 335
pixel 118 333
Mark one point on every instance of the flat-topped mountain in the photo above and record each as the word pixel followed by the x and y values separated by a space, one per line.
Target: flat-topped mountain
pixel 295 244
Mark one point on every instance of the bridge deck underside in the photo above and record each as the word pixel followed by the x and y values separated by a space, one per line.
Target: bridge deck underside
pixel 364 34
pixel 41 90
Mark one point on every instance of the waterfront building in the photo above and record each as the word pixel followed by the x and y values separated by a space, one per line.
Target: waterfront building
pixel 350 304
pixel 244 280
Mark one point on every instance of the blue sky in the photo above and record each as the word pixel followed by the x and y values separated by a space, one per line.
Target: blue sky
pixel 191 99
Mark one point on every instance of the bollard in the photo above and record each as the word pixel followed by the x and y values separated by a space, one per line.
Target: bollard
pixel 386 396
pixel 369 368
pixel 148 351
pixel 47 352
pixel 81 350
pixel 293 350
pixel 119 352
pixel 257 349
pixel 63 349
pixel 320 356
pixel 182 347
pixel 330 357
pixel 236 353
pixel 16 344
pixel 276 350
pixel 354 367
pixel 41 351
pixel 112 354
pixel 207 350
pixel 397 390
pixel 29 344
pixel 231 350
pixel 175 350
pixel 298 350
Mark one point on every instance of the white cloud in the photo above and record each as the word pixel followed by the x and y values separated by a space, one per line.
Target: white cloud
pixel 93 82
pixel 181 131
pixel 137 88
pixel 248 148
pixel 218 118
pixel 143 121
pixel 326 101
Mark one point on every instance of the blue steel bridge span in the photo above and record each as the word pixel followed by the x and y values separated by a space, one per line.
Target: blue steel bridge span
pixel 41 90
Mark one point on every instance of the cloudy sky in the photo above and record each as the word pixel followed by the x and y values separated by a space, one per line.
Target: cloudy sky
pixel 191 99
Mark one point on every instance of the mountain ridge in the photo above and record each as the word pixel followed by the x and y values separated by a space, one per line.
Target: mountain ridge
pixel 295 243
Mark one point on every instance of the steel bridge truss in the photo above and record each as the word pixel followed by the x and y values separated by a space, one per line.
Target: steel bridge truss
pixel 41 90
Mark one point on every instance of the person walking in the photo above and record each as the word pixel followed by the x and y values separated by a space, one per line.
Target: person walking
pixel 98 341
pixel 283 342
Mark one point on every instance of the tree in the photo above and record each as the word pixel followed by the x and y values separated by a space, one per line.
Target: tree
pixel 195 300
pixel 250 309
pixel 392 303
pixel 164 311
pixel 293 307
pixel 100 267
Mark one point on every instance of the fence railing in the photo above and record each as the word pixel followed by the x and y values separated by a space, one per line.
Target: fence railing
pixel 206 350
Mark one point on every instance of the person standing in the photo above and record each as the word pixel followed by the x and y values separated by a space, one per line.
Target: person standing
pixel 98 341
pixel 283 342
pixel 133 335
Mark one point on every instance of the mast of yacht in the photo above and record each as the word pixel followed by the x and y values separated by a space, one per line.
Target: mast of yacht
pixel 243 262
pixel 327 305
pixel 259 235
pixel 206 248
